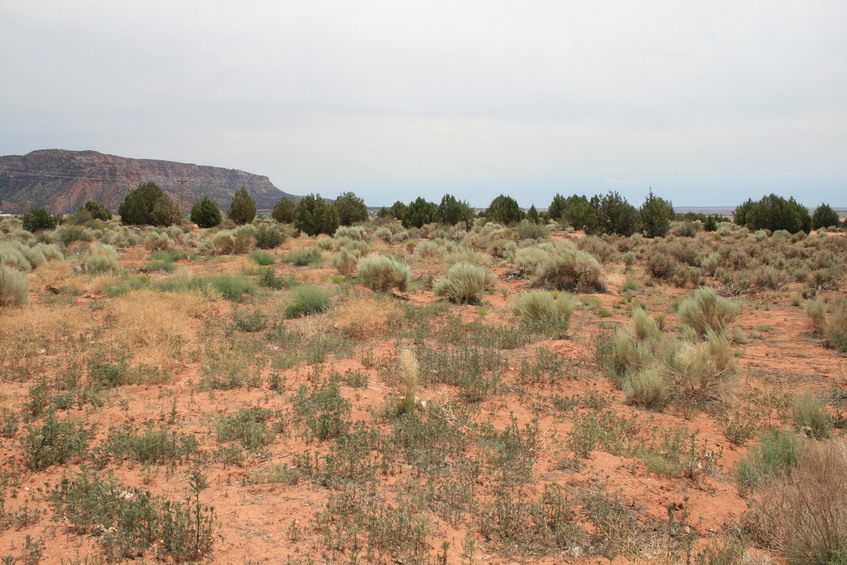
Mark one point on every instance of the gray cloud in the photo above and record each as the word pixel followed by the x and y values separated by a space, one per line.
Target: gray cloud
pixel 395 100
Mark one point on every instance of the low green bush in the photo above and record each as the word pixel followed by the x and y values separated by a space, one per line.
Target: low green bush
pixel 262 258
pixel 306 299
pixel 54 442
pixel 809 414
pixel 773 456
pixel 232 287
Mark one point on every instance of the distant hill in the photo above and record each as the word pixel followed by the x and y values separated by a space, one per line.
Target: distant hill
pixel 61 181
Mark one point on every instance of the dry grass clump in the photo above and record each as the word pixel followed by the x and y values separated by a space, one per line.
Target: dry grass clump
pixel 345 261
pixel 830 320
pixel 227 242
pixel 464 283
pixel 14 289
pixel 159 328
pixel 567 268
pixel 654 368
pixel 383 273
pixel 366 317
pixel 28 334
pixel 705 311
pixel 545 312
pixel 803 516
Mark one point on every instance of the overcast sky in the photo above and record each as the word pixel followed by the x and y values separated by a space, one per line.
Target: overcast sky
pixel 707 102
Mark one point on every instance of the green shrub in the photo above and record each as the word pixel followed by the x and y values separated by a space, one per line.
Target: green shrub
pixel 324 411
pixel 809 413
pixel 464 283
pixel 128 521
pixel 54 442
pixel 38 219
pixel 97 210
pixel 646 388
pixel 545 312
pixel 566 268
pixel 345 261
pixel 306 299
pixel 383 273
pixel 151 446
pixel 304 257
pixel 231 287
pixel 704 310
pixel 67 234
pixel 269 236
pixel 249 320
pixel 14 288
pixel 249 427
pixel 156 241
pixel 104 259
pixel 830 320
pixel 206 213
pixel 148 205
pixel 773 456
pixel 262 258
pixel 268 279
pixel 706 368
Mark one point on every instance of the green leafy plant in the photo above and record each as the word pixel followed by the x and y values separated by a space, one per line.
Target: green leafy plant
pixel 306 299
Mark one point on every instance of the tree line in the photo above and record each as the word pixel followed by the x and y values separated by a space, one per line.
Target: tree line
pixel 610 213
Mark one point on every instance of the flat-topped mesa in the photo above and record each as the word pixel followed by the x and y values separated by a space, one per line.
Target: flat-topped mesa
pixel 61 181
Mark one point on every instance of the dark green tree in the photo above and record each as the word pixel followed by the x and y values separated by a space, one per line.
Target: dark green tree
pixel 97 211
pixel 655 216
pixel 575 210
pixel 38 219
pixel 557 208
pixel 206 213
pixel 147 205
pixel 350 208
pixel 283 211
pixel 242 210
pixel 504 210
pixel 452 211
pixel 398 210
pixel 314 216
pixel 773 213
pixel 615 215
pixel 419 213
pixel 824 217
pixel 532 215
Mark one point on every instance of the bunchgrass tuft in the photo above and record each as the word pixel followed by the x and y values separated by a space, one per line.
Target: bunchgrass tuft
pixel 306 299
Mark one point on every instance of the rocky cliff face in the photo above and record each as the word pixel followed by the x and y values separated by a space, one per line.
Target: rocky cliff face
pixel 62 181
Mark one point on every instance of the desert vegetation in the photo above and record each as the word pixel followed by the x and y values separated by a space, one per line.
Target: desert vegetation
pixel 593 382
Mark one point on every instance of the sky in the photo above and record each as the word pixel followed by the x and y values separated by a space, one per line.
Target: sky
pixel 707 103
